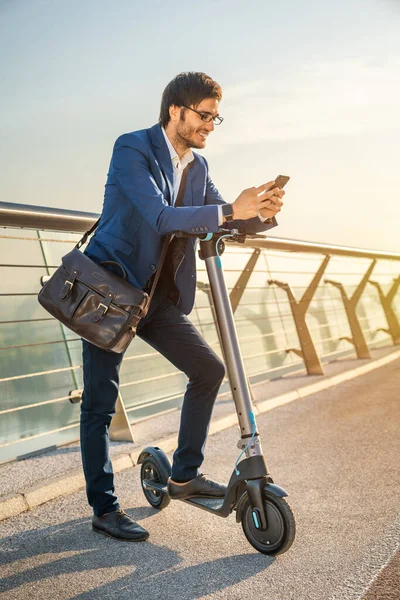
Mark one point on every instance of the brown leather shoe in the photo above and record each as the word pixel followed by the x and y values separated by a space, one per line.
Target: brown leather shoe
pixel 199 486
pixel 120 526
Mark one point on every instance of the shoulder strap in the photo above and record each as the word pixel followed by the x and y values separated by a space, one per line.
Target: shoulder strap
pixel 178 202
pixel 86 235
pixel 182 186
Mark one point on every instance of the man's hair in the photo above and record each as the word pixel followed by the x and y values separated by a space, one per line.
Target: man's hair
pixel 188 89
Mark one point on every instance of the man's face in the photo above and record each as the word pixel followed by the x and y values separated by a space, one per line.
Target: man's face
pixel 191 130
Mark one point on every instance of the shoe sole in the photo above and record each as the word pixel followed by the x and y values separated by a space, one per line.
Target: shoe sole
pixel 143 539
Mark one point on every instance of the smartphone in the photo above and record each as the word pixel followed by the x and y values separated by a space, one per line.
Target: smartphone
pixel 280 182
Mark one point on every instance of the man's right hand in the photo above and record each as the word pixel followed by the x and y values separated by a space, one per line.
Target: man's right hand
pixel 252 200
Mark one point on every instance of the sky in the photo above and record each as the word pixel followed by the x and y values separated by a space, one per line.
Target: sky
pixel 310 89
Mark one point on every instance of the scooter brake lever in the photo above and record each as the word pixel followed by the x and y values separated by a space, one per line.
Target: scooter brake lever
pixel 255 235
pixel 240 237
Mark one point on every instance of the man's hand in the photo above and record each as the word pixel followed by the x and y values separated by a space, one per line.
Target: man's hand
pixel 257 200
pixel 274 205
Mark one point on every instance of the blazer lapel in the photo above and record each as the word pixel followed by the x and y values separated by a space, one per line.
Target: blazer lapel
pixel 163 156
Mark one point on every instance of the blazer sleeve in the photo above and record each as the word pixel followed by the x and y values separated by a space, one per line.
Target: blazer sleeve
pixel 130 172
pixel 254 225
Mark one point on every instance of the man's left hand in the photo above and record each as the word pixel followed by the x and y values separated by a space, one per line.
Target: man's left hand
pixel 274 204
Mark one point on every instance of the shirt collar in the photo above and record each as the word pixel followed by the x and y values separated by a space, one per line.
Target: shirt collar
pixel 177 163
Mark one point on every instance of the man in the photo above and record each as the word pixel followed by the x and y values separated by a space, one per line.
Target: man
pixel 143 181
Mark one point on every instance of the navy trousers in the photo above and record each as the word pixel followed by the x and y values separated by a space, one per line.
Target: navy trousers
pixel 171 333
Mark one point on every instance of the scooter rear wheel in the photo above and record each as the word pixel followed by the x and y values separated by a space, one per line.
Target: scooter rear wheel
pixel 281 531
pixel 152 470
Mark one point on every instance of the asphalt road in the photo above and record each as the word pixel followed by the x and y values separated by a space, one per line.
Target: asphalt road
pixel 336 453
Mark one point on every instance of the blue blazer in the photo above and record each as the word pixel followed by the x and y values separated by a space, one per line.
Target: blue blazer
pixel 137 212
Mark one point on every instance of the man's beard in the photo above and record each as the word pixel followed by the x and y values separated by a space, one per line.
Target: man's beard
pixel 184 133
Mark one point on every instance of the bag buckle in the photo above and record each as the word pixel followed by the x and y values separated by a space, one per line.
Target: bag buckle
pixel 105 308
pixel 102 308
pixel 68 285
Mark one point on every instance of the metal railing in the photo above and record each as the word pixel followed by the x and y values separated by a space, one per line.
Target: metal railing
pixel 297 306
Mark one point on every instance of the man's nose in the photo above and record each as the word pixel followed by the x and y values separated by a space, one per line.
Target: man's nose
pixel 210 126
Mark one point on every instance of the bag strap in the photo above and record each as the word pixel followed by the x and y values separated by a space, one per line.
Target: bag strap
pixel 86 235
pixel 178 202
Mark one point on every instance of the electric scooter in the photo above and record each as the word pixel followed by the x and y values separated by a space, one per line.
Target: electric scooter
pixel 267 519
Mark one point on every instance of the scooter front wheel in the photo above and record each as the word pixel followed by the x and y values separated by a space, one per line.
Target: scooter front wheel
pixel 281 530
pixel 153 470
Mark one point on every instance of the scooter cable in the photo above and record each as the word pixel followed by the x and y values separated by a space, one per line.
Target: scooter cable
pixel 218 258
pixel 253 422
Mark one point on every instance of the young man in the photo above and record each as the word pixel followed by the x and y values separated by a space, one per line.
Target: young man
pixel 143 181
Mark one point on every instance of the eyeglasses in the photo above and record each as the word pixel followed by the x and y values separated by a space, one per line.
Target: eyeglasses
pixel 206 116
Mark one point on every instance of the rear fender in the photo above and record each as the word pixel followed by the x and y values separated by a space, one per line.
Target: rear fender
pixel 158 454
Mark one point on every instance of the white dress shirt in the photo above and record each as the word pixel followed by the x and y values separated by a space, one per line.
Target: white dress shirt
pixel 177 164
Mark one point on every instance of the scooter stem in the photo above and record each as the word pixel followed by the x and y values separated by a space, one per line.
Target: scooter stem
pixel 231 349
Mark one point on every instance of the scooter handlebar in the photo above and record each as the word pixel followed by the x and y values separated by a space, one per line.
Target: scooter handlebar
pixel 234 234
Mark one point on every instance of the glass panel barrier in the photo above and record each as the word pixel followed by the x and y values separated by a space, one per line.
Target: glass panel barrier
pixel 40 360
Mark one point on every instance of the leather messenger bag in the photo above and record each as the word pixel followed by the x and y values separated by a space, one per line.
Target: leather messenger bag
pixel 93 301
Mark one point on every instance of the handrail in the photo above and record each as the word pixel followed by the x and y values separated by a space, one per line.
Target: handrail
pixel 59 219
pixel 43 217
pixel 275 243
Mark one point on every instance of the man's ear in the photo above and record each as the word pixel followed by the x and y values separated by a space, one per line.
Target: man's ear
pixel 174 112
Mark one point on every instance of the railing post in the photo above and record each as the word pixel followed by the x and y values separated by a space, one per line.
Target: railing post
pixel 299 309
pixel 237 292
pixel 350 304
pixel 318 311
pixel 120 428
pixel 392 320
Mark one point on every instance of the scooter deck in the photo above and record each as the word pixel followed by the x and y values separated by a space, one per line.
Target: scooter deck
pixel 200 501
pixel 207 503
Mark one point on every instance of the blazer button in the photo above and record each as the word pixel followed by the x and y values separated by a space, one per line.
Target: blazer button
pixel 153 267
pixel 193 229
pixel 205 228
pixel 201 228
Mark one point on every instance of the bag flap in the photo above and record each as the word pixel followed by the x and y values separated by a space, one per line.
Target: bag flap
pixel 101 279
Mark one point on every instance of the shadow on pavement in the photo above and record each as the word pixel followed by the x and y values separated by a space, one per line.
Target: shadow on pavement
pixel 100 567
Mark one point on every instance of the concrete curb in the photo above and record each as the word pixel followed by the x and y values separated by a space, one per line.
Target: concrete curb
pixel 12 505
pixel 69 482
pixel 72 481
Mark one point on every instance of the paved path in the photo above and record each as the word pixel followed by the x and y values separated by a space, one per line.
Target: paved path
pixel 336 452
